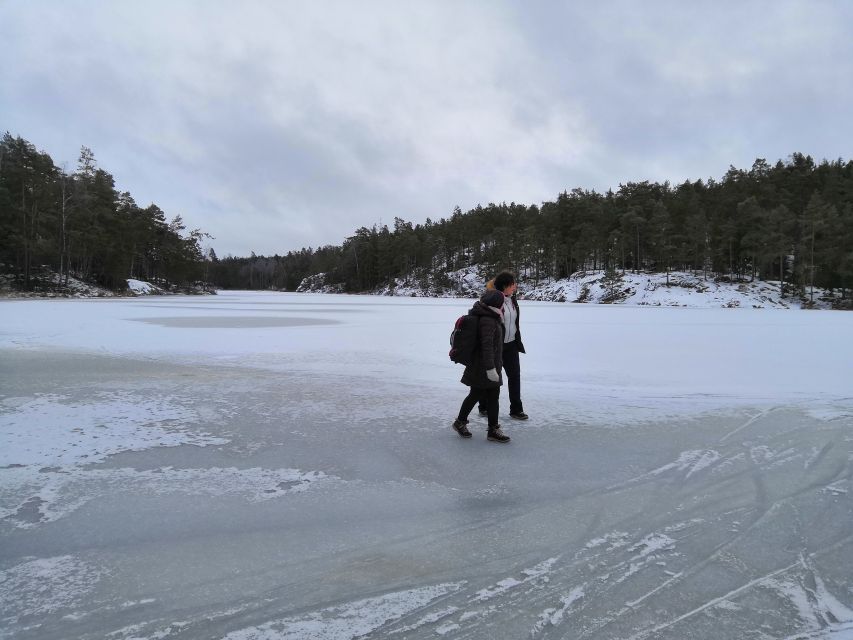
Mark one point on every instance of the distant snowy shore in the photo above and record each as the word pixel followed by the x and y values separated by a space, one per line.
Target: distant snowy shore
pixel 679 289
pixel 47 285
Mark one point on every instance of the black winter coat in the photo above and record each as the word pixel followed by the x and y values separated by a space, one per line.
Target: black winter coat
pixel 489 352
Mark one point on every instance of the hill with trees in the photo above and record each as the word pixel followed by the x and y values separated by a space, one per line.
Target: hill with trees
pixel 790 222
pixel 78 224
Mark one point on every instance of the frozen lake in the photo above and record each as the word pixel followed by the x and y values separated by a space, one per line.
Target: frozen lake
pixel 279 466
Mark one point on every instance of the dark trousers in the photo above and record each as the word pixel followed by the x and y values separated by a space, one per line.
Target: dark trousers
pixel 488 398
pixel 512 366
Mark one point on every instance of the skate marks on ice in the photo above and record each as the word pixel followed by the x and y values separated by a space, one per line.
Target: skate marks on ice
pixel 750 531
pixel 818 612
pixel 536 602
pixel 756 504
pixel 72 581
pixel 71 596
pixel 446 609
pixel 711 531
pixel 708 541
pixel 698 575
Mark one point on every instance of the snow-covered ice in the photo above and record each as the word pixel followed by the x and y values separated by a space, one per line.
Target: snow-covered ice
pixel 257 465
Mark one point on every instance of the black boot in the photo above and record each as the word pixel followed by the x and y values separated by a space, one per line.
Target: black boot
pixel 461 427
pixel 496 435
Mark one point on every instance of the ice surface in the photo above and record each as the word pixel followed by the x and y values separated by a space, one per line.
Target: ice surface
pixel 50 429
pixel 282 466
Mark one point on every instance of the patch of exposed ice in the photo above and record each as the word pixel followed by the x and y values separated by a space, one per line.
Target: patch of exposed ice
pixel 427 619
pixel 728 605
pixel 828 412
pixel 446 628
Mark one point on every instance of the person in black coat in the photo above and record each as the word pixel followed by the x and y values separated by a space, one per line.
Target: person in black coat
pixel 505 283
pixel 483 375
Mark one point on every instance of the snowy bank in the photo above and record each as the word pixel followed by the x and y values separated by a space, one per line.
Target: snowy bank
pixel 47 283
pixel 678 289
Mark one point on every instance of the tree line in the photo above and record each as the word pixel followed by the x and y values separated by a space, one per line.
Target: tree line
pixel 791 222
pixel 78 224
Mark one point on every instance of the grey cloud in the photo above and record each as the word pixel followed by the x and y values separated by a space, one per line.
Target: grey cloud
pixel 280 125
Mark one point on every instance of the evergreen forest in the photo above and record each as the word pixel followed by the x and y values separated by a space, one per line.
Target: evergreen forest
pixel 790 221
pixel 78 224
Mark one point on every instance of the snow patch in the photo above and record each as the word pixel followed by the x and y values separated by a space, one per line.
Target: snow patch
pixel 44 586
pixel 540 571
pixel 53 430
pixel 836 488
pixel 817 608
pixel 692 461
pixel 554 616
pixel 349 621
pixel 615 538
pixel 54 495
pixel 142 288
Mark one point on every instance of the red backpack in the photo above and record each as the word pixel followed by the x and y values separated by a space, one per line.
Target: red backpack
pixel 463 339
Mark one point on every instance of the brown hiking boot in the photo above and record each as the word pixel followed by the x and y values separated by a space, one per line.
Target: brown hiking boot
pixel 496 435
pixel 461 428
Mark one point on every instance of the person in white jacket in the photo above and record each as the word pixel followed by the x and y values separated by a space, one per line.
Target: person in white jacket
pixel 505 282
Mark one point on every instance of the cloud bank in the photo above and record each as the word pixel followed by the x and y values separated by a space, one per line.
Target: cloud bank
pixel 276 126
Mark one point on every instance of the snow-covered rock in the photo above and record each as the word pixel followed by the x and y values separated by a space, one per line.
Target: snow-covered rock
pixel 317 284
pixel 467 282
pixel 142 288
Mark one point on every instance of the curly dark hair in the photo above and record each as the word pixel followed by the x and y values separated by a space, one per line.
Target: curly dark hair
pixel 503 280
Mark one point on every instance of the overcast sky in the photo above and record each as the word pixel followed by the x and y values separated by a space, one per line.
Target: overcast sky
pixel 277 125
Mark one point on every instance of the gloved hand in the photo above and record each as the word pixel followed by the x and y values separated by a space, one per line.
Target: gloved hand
pixel 492 374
